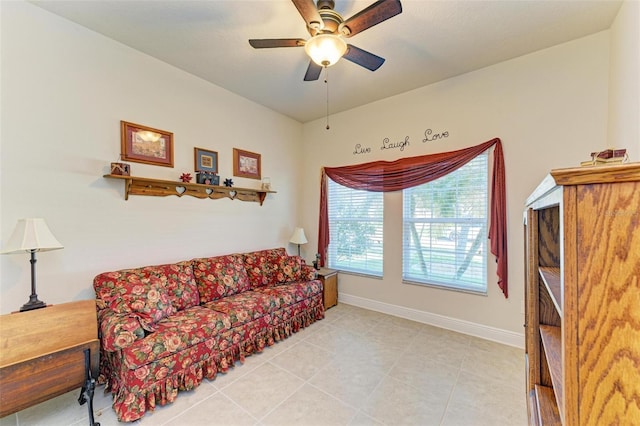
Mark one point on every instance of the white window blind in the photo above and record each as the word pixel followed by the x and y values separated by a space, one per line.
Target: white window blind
pixel 355 230
pixel 445 229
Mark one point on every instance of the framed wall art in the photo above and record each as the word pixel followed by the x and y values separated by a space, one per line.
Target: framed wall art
pixel 205 160
pixel 246 164
pixel 142 144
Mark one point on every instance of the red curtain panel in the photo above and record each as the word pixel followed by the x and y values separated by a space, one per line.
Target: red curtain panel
pixel 385 176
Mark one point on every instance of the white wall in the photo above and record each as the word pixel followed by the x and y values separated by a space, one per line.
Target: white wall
pixel 64 91
pixel 624 81
pixel 550 110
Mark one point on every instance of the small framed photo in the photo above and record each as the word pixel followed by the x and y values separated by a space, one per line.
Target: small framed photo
pixel 142 144
pixel 246 164
pixel 205 160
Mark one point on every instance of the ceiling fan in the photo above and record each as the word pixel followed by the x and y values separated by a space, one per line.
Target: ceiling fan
pixel 327 29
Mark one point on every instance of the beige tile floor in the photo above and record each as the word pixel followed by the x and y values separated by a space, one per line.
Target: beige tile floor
pixel 355 367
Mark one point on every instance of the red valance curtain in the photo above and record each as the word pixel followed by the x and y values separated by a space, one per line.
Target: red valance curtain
pixel 384 176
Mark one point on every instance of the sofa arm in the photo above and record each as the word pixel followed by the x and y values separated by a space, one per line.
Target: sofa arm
pixel 309 273
pixel 118 331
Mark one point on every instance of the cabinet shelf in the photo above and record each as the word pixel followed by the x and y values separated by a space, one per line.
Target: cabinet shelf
pixel 546 408
pixel 552 344
pixel 162 188
pixel 551 278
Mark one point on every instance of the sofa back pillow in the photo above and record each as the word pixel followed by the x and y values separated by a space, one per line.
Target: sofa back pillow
pixel 217 277
pixel 288 269
pixel 180 283
pixel 134 291
pixel 177 280
pixel 262 266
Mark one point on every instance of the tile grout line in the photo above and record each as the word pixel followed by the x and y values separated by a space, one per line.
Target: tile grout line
pixel 397 360
pixel 285 399
pixel 189 408
pixel 453 388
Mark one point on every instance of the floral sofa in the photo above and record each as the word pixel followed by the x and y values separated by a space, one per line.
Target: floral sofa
pixel 164 328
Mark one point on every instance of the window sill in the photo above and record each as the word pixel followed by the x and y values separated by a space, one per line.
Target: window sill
pixel 357 274
pixel 446 287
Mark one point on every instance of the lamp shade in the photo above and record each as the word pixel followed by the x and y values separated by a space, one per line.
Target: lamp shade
pixel 325 49
pixel 31 234
pixel 298 237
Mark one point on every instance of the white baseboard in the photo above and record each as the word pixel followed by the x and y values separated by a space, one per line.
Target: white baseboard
pixel 467 327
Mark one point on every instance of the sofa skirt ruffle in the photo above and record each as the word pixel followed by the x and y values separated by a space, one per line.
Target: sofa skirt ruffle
pixel 131 402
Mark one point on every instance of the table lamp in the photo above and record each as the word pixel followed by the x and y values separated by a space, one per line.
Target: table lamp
pixel 298 238
pixel 32 235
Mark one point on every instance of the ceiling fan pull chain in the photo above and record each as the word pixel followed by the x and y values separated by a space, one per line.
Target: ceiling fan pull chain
pixel 326 81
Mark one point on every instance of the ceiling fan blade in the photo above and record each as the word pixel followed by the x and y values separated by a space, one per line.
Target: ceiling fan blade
pixel 313 72
pixel 363 58
pixel 265 43
pixel 372 15
pixel 309 13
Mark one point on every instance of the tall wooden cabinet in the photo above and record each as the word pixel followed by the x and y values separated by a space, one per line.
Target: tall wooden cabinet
pixel 582 250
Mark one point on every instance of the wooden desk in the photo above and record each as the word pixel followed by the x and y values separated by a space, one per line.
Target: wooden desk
pixel 42 354
pixel 329 278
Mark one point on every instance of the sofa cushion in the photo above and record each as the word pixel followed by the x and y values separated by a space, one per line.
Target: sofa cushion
pixel 117 331
pixel 220 276
pixel 288 269
pixel 180 284
pixel 261 266
pixel 176 279
pixel 288 294
pixel 308 273
pixel 144 297
pixel 176 333
pixel 244 307
pixel 136 292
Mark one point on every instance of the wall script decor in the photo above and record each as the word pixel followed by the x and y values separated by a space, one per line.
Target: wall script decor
pixel 246 164
pixel 429 136
pixel 359 149
pixel 142 144
pixel 387 144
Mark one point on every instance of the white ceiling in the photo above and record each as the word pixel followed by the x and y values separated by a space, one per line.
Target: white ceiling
pixel 428 42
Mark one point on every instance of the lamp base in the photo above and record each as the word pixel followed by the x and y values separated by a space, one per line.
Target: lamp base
pixel 33 304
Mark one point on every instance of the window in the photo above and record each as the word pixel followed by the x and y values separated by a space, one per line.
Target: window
pixel 445 229
pixel 355 226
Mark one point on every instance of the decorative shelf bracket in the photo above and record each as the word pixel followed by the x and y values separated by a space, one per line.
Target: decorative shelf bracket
pixel 162 188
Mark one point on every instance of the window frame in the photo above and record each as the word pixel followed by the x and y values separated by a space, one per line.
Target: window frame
pixel 480 222
pixel 376 256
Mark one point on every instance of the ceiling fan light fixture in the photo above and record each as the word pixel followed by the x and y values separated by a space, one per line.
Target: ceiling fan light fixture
pixel 325 49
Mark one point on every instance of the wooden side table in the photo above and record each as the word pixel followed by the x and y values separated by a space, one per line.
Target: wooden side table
pixel 329 278
pixel 47 352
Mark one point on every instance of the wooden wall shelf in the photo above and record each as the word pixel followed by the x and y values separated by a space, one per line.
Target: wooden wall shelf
pixel 162 188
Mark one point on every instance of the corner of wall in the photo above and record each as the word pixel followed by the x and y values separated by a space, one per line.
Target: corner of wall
pixel 624 80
